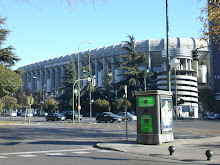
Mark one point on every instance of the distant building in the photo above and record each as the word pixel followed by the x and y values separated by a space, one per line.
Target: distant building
pixel 190 76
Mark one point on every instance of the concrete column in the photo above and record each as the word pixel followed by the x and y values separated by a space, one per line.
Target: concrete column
pixel 113 68
pixel 57 77
pixel 96 70
pixel 104 65
pixel 52 79
pixel 32 81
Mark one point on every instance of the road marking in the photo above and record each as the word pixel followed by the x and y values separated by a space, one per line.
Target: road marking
pixel 108 125
pixel 130 127
pixel 27 156
pixel 3 157
pixel 51 151
pixel 88 125
pixel 79 125
pixel 55 154
pixel 119 127
pixel 98 126
pixel 81 152
pixel 106 151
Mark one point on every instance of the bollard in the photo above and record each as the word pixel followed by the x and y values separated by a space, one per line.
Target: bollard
pixel 209 154
pixel 171 149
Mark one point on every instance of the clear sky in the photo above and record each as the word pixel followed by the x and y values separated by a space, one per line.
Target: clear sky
pixel 44 29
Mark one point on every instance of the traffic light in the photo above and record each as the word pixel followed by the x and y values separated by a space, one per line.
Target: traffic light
pixel 195 55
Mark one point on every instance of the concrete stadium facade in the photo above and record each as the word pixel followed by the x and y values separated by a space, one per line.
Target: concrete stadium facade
pixel 190 73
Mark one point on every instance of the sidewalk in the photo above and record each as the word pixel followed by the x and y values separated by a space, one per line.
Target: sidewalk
pixel 188 151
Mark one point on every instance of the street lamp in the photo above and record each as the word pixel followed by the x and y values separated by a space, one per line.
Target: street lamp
pixel 41 106
pixel 174 63
pixel 90 42
pixel 168 53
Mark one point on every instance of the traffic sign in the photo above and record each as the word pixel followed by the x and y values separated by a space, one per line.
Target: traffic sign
pixel 79 107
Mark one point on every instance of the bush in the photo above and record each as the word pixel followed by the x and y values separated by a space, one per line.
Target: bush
pixel 119 106
pixel 100 106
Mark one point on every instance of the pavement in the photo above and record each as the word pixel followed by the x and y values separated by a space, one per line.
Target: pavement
pixel 187 151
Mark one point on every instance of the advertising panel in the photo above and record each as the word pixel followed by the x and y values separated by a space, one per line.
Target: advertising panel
pixel 166 114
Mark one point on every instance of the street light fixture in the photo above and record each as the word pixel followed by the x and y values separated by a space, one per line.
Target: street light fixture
pixel 90 42
pixel 41 106
pixel 174 63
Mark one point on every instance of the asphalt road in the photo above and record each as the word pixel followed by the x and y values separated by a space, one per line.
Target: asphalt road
pixel 63 142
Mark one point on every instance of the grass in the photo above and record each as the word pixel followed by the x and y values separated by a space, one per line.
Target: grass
pixel 10 122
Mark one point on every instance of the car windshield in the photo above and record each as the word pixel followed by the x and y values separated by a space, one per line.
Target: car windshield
pixel 58 114
pixel 111 114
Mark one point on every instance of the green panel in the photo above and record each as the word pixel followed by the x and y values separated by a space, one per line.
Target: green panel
pixel 146 123
pixel 146 102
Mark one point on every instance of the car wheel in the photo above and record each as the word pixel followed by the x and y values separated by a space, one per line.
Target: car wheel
pixel 98 121
pixel 119 122
pixel 111 121
pixel 106 121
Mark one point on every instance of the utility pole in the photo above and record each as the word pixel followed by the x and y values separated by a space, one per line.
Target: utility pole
pixel 168 52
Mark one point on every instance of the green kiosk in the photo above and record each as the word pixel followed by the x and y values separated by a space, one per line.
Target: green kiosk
pixel 154 116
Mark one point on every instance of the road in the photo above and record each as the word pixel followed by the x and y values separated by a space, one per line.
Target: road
pixel 66 143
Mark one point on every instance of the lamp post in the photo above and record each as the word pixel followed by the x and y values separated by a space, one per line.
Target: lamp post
pixel 90 42
pixel 41 106
pixel 168 55
pixel 174 63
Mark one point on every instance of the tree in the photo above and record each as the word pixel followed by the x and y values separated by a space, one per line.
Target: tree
pixel 207 99
pixel 65 100
pixel 50 105
pixel 119 106
pixel 9 81
pixel 107 81
pixel 210 17
pixel 11 103
pixel 7 57
pixel 100 105
pixel 132 60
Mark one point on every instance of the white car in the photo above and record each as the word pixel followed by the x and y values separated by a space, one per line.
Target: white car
pixel 13 113
pixel 213 116
pixel 23 114
pixel 130 116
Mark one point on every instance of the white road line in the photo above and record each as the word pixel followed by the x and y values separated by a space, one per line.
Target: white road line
pixel 106 151
pixel 51 151
pixel 81 152
pixel 3 157
pixel 55 154
pixel 27 156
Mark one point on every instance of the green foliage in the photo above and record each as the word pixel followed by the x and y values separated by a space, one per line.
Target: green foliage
pixel 65 100
pixel 7 57
pixel 22 98
pixel 207 99
pixel 210 17
pixel 100 105
pixel 9 81
pixel 11 103
pixel 119 106
pixel 132 60
pixel 50 105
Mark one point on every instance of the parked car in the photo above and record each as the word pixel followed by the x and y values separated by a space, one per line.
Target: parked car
pixel 55 117
pixel 13 113
pixel 108 116
pixel 27 114
pixel 213 116
pixel 69 115
pixel 130 116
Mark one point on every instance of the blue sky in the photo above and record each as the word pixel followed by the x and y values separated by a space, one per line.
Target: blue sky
pixel 44 29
